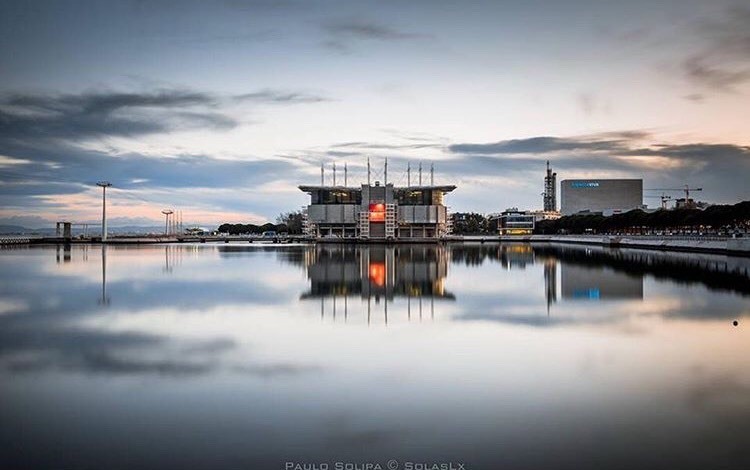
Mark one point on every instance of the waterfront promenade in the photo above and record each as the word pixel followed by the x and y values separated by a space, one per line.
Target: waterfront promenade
pixel 698 244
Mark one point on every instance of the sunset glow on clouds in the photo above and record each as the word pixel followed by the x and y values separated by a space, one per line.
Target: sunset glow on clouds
pixel 221 109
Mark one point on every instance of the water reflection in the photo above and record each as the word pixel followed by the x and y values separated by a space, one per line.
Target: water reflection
pixel 377 273
pixel 215 356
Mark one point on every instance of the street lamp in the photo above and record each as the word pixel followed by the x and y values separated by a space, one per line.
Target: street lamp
pixel 167 212
pixel 104 185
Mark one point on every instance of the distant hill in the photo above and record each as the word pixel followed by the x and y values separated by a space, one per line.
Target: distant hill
pixel 50 231
pixel 13 229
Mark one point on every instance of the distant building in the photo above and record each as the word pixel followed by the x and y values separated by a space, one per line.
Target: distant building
pixel 606 196
pixel 377 212
pixel 515 222
pixel 549 196
pixel 545 215
pixel 690 203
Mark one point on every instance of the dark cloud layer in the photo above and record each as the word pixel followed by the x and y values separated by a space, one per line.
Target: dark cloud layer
pixel 100 114
pixel 44 133
pixel 722 169
pixel 537 145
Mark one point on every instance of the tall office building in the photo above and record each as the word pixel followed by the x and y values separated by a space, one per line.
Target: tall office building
pixel 550 186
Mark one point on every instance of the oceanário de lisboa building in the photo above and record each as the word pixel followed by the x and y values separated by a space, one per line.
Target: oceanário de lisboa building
pixel 378 212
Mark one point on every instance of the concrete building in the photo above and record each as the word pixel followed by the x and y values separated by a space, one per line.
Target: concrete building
pixel 515 222
pixel 607 196
pixel 377 212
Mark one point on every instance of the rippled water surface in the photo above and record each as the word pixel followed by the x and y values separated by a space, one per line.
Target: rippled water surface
pixel 495 356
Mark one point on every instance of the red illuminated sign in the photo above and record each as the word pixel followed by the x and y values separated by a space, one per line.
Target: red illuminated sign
pixel 377 212
pixel 377 274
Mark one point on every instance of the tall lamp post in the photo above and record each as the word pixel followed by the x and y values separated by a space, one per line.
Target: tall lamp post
pixel 104 185
pixel 166 213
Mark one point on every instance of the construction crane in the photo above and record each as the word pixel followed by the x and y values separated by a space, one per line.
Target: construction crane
pixel 686 189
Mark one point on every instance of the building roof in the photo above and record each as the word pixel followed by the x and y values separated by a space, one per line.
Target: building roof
pixel 309 188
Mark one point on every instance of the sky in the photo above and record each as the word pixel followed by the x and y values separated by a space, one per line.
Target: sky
pixel 221 109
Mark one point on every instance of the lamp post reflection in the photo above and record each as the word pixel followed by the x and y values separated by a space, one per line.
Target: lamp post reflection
pixel 104 300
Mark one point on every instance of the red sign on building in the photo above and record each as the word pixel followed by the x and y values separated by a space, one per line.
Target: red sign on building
pixel 377 212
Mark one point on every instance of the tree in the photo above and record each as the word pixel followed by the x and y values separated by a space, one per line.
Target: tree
pixel 469 223
pixel 292 221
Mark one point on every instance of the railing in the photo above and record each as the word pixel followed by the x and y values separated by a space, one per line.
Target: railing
pixel 15 239
pixel 704 238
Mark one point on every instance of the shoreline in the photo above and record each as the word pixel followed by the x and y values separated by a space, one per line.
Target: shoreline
pixel 716 245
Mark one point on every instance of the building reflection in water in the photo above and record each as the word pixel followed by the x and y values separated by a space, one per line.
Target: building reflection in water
pixel 65 248
pixel 585 283
pixel 375 273
pixel 584 279
pixel 550 281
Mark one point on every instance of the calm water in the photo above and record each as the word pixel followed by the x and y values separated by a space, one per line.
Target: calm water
pixel 244 357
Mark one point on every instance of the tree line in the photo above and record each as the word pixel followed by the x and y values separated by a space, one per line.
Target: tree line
pixel 716 218
pixel 286 222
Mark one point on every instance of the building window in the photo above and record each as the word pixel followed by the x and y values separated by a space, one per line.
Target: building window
pixel 377 212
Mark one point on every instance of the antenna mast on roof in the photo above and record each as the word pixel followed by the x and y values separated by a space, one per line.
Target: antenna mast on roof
pixel 408 174
pixel 420 173
pixel 334 173
pixel 322 178
pixel 368 171
pixel 385 172
pixel 432 174
pixel 345 175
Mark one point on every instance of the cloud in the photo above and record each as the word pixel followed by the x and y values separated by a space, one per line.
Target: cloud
pixel 722 169
pixel 718 77
pixel 361 29
pixel 76 117
pixel 51 132
pixel 539 145
pixel 273 370
pixel 100 114
pixel 281 97
pixel 343 32
pixel 723 63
